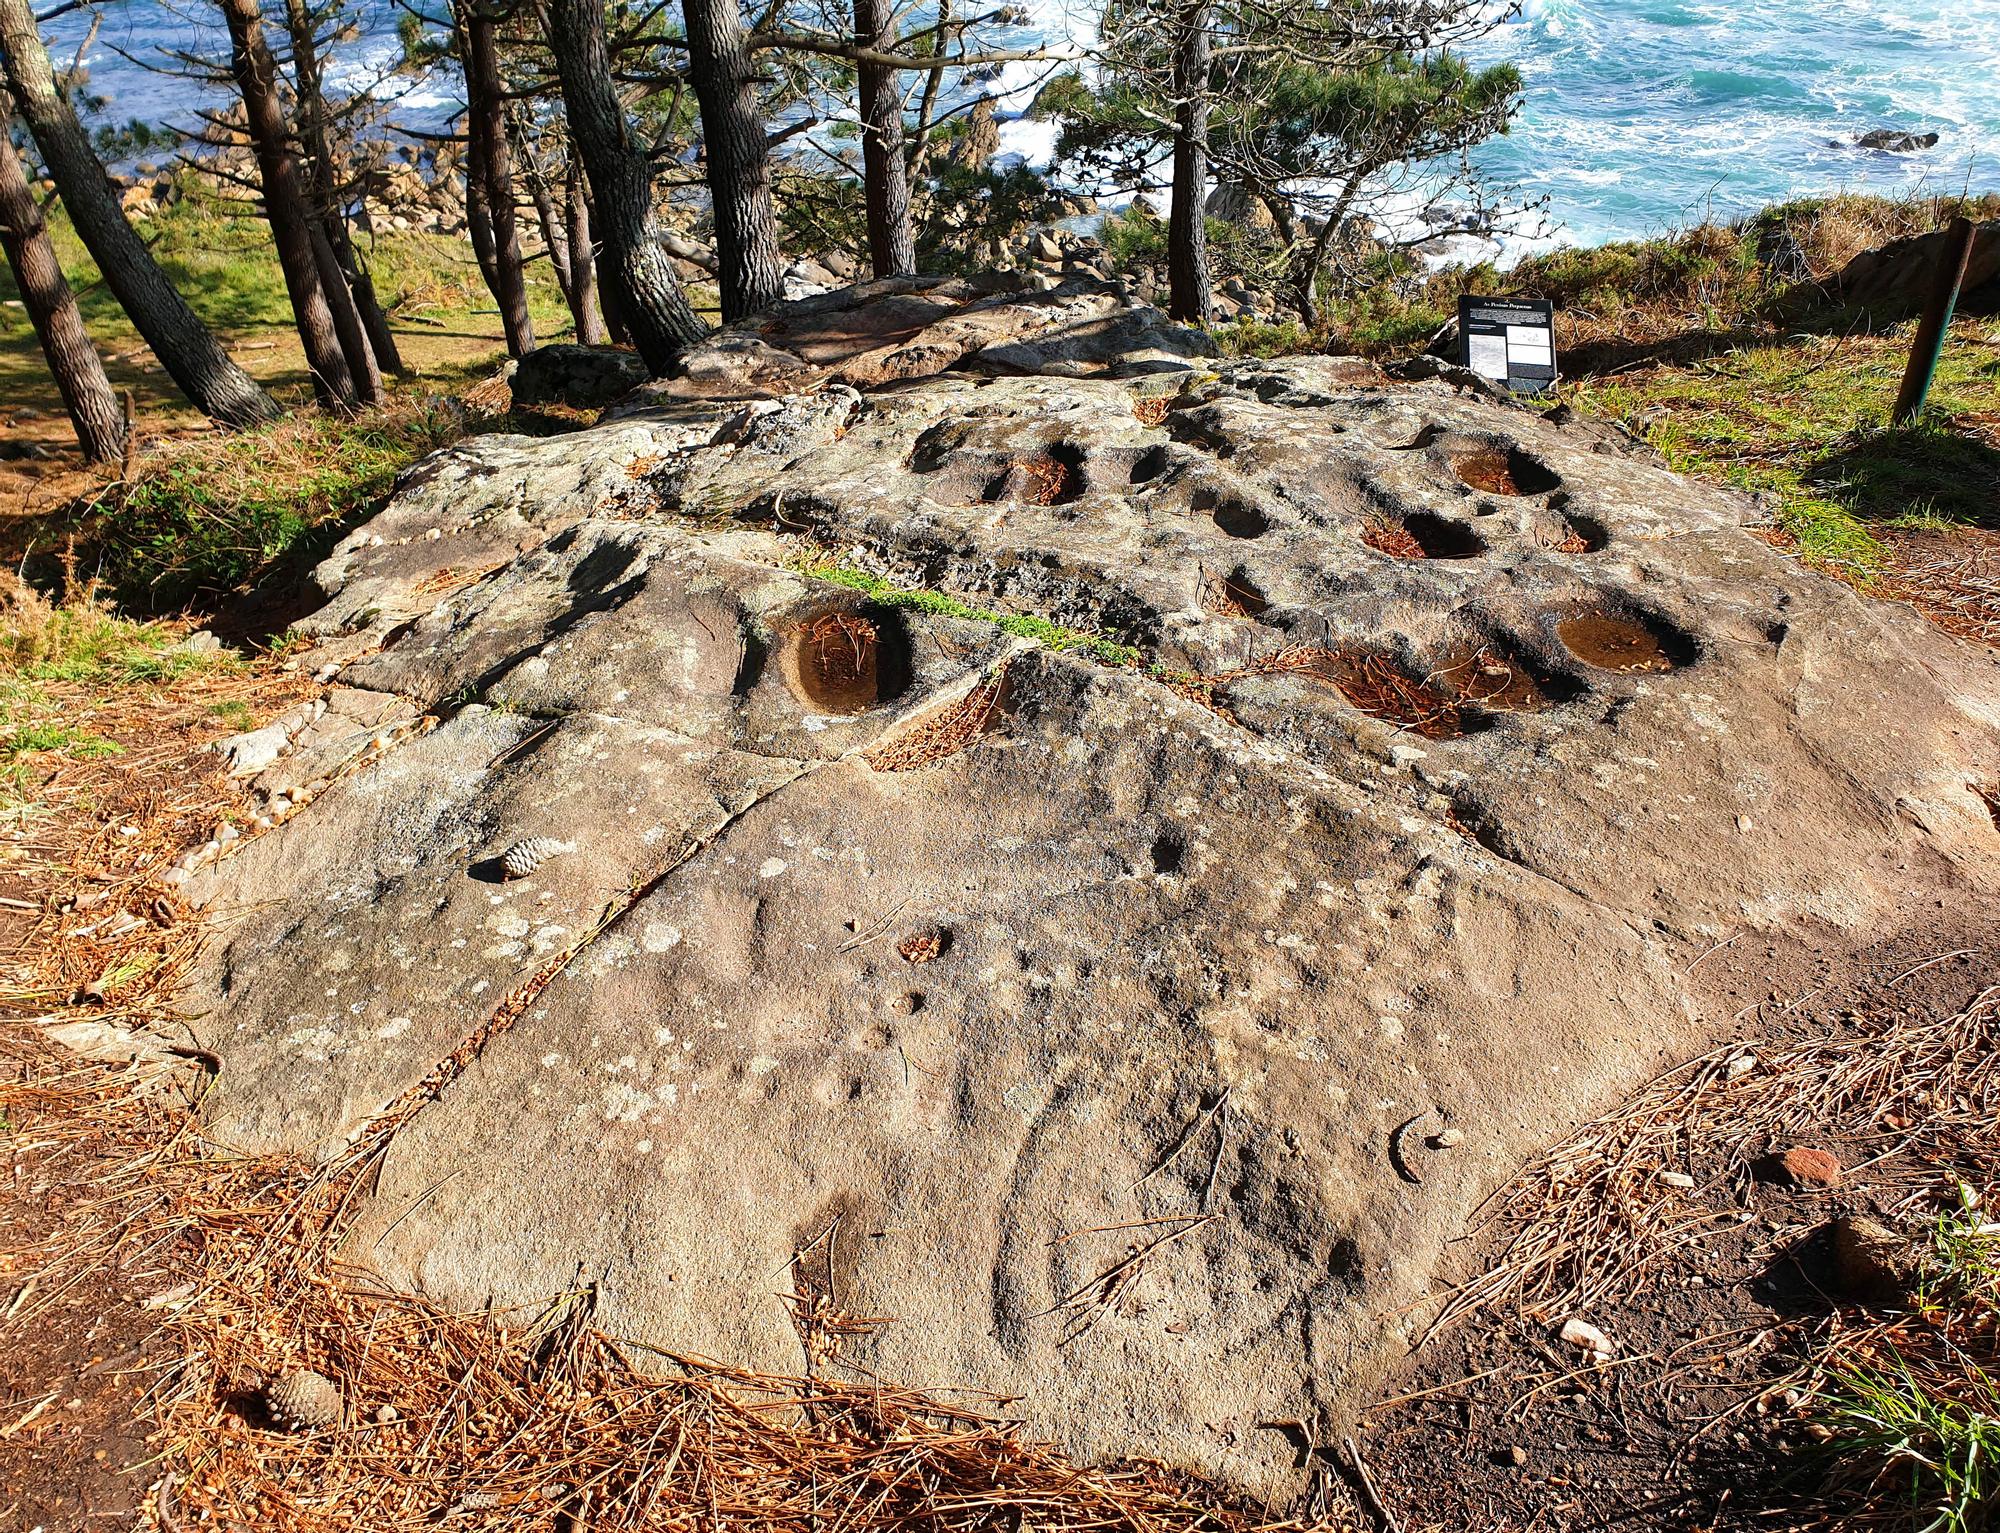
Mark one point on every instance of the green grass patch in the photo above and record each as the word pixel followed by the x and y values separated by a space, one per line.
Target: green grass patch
pixel 85 644
pixel 235 713
pixel 1938 1448
pixel 1806 421
pixel 61 738
pixel 56 662
pixel 208 516
pixel 1916 1419
pixel 888 594
pixel 1264 338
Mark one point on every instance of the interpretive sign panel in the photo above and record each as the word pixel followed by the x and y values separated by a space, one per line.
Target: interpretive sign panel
pixel 1510 340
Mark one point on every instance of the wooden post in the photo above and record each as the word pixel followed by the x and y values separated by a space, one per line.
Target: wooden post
pixel 1928 343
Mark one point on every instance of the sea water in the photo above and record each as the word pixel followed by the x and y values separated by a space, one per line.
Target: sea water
pixel 1638 116
pixel 1642 115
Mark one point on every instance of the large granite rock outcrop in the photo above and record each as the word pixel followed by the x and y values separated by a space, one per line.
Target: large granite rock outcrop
pixel 1052 1014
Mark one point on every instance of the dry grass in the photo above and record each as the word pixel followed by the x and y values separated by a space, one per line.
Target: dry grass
pixel 1956 586
pixel 1433 706
pixel 1050 481
pixel 1393 539
pixel 94 831
pixel 1588 1223
pixel 842 647
pixel 942 734
pixel 1231 595
pixel 451 578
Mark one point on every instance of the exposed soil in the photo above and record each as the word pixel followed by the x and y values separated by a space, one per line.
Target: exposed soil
pixel 77 1357
pixel 1499 1424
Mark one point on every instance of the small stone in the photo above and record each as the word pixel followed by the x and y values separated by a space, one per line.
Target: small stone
pixel 1581 1333
pixel 907 1005
pixel 1676 1179
pixel 1872 1260
pixel 1448 1139
pixel 1517 1455
pixel 249 753
pixel 384 1414
pixel 1811 1168
pixel 1742 1064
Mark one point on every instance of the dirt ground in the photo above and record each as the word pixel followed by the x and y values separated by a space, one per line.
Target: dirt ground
pixel 79 1360
pixel 1498 1424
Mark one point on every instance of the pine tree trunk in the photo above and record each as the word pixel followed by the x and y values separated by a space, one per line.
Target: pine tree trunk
pixel 1188 294
pixel 353 335
pixel 478 223
pixel 892 242
pixel 284 205
pixel 73 361
pixel 186 347
pixel 324 180
pixel 739 161
pixel 555 234
pixel 373 320
pixel 583 299
pixel 637 269
pixel 486 128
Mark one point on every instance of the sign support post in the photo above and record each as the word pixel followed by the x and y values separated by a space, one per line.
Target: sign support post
pixel 1927 345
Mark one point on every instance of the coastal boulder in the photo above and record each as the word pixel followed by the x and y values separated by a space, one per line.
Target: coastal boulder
pixel 583 377
pixel 1896 141
pixel 1033 848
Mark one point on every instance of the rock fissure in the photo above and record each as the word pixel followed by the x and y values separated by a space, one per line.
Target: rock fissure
pixel 373 1137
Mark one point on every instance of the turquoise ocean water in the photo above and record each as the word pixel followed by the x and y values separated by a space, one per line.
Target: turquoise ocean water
pixel 1646 114
pixel 1640 114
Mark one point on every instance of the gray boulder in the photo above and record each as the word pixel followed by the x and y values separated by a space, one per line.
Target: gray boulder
pixel 1055 1007
pixel 901 328
pixel 583 377
pixel 1896 141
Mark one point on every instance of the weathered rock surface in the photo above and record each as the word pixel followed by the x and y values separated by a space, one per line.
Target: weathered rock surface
pixel 901 328
pixel 1060 1010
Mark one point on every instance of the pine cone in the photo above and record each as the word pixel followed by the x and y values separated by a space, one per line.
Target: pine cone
pixel 303 1401
pixel 523 857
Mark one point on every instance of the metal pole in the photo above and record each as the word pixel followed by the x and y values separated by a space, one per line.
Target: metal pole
pixel 1927 345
